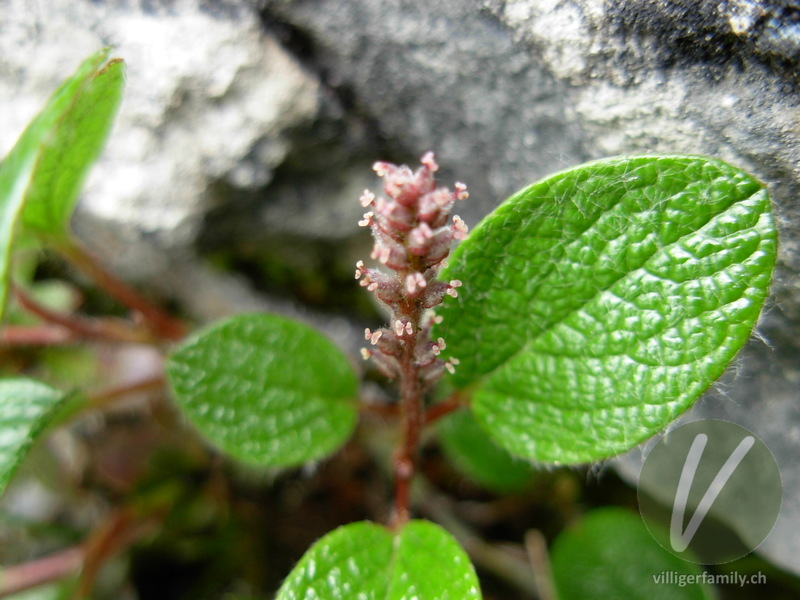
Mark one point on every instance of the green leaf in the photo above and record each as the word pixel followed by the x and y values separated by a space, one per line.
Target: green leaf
pixel 611 555
pixel 267 390
pixel 77 119
pixel 26 407
pixel 599 303
pixel 369 562
pixel 42 175
pixel 471 450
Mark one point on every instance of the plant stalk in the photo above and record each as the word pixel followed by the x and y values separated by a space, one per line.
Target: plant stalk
pixel 411 416
pixel 441 409
pixel 83 328
pixel 161 323
pixel 25 576
pixel 102 398
pixel 41 335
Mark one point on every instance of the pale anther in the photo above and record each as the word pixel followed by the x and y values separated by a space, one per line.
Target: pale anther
pixel 429 161
pixel 367 198
pixel 411 284
pixel 460 228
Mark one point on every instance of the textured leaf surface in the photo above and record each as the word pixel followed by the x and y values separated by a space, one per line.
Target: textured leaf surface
pixel 599 303
pixel 611 555
pixel 470 449
pixel 369 562
pixel 26 407
pixel 41 176
pixel 267 390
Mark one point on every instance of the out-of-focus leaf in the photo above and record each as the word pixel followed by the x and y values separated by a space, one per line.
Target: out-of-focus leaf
pixel 26 407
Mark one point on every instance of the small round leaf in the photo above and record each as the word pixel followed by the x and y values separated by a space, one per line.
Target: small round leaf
pixel 267 390
pixel 369 562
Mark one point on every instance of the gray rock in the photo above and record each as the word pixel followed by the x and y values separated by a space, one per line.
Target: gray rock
pixel 210 98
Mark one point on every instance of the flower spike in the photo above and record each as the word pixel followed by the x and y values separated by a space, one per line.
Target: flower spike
pixel 413 233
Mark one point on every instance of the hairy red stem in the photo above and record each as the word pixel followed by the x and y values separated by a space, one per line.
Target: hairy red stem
pixel 411 398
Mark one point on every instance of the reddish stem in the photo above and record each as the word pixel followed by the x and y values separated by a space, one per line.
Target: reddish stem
pixel 113 536
pixel 19 578
pixel 103 397
pixel 83 328
pixel 411 415
pixel 40 335
pixel 159 321
pixel 381 411
pixel 451 404
pixel 414 420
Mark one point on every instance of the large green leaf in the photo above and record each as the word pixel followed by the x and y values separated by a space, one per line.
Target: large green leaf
pixel 26 407
pixel 267 390
pixel 369 562
pixel 611 555
pixel 599 303
pixel 42 175
pixel 470 449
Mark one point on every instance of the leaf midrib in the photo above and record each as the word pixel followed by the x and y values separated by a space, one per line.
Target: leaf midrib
pixel 660 249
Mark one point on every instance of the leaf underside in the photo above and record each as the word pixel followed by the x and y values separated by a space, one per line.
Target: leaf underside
pixel 265 389
pixel 367 561
pixel 26 407
pixel 599 303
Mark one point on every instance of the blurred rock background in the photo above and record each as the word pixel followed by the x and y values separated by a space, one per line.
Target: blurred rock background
pixel 249 127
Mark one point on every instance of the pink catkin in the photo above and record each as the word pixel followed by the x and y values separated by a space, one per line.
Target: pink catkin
pixel 413 234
